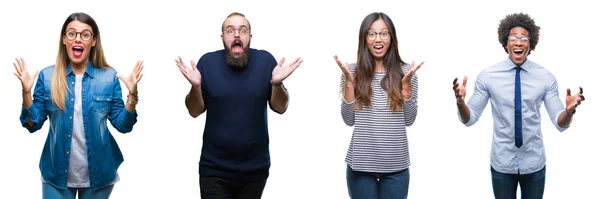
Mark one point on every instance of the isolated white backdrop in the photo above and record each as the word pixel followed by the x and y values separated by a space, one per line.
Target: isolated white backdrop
pixel 308 142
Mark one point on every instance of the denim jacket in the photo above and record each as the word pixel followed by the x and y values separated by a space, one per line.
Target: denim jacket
pixel 101 99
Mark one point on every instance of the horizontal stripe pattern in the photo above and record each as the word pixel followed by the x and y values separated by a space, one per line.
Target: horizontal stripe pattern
pixel 379 142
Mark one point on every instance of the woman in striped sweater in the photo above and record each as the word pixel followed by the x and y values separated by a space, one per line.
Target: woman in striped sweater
pixel 380 101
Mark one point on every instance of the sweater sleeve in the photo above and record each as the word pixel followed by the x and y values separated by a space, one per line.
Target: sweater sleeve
pixel 410 106
pixel 347 107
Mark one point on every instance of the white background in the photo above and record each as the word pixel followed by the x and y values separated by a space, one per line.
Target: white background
pixel 308 142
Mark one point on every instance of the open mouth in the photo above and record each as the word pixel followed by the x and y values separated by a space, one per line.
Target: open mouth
pixel 237 46
pixel 378 48
pixel 77 51
pixel 518 52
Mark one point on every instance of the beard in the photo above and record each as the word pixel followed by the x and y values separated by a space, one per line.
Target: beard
pixel 240 62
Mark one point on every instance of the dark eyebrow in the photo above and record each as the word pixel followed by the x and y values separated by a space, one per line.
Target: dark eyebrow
pixel 515 34
pixel 81 31
pixel 382 30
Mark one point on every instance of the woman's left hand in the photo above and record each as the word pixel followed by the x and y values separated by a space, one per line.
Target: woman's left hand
pixel 133 79
pixel 408 76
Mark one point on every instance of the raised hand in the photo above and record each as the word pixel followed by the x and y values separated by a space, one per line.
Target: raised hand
pixel 133 79
pixel 190 73
pixel 27 80
pixel 345 69
pixel 460 91
pixel 280 72
pixel 573 101
pixel 408 76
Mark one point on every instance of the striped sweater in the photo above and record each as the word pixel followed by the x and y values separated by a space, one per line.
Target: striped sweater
pixel 379 142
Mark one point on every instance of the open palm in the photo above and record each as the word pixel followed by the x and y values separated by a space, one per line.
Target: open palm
pixel 27 80
pixel 191 73
pixel 135 77
pixel 573 101
pixel 345 69
pixel 460 90
pixel 408 76
pixel 281 72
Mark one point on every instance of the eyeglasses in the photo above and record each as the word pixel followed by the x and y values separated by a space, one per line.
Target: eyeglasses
pixel 373 35
pixel 243 31
pixel 523 39
pixel 85 35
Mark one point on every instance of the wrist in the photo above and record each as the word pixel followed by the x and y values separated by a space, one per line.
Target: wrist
pixel 406 93
pixel 274 83
pixel 459 102
pixel 572 112
pixel 133 101
pixel 349 81
pixel 349 85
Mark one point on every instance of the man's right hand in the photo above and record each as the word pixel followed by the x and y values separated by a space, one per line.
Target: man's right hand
pixel 460 91
pixel 191 73
pixel 27 79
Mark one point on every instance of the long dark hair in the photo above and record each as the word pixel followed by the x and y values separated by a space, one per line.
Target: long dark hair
pixel 365 66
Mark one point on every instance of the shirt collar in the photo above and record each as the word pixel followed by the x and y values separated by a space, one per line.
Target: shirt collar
pixel 90 70
pixel 509 64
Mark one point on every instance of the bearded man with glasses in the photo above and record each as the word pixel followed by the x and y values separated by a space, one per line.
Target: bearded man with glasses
pixel 233 86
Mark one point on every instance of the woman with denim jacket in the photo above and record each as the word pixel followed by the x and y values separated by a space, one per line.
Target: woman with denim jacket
pixel 78 94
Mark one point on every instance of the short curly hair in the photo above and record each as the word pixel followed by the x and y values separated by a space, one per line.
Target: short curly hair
pixel 518 20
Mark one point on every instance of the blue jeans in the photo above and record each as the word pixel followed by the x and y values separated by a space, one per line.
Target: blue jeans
pixel 532 185
pixel 51 192
pixel 368 185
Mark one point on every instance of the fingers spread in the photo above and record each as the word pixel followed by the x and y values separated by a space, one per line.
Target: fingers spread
pixel 193 65
pixel 409 73
pixel 139 71
pixel 418 66
pixel 297 63
pixel 179 64
pixel 23 66
pixel 337 60
pixel 18 69
pixel 293 63
pixel 138 67
pixel 296 60
pixel 19 63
